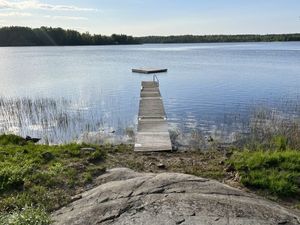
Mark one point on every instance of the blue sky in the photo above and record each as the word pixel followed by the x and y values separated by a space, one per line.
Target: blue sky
pixel 156 17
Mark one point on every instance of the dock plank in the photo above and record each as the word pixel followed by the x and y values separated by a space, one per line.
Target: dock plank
pixel 152 141
pixel 152 125
pixel 152 132
pixel 145 94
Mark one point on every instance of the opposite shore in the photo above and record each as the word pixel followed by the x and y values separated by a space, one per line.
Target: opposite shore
pixel 48 36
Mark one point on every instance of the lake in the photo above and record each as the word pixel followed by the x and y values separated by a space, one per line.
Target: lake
pixel 64 94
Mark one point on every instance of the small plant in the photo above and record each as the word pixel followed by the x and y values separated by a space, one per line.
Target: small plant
pixel 12 176
pixel 27 216
pixel 87 177
pixel 280 142
pixel 56 169
pixel 96 156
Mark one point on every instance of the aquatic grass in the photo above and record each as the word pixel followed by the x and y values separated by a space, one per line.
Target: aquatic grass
pixel 271 129
pixel 26 116
pixel 59 121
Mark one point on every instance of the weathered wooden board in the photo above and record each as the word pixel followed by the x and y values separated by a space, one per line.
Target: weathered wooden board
pixel 152 133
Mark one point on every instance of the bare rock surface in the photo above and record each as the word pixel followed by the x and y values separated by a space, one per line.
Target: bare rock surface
pixel 127 197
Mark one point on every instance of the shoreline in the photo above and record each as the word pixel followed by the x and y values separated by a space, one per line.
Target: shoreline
pixel 17 36
pixel 74 168
pixel 141 44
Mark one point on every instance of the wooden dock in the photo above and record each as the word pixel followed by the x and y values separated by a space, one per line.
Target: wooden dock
pixel 149 70
pixel 152 131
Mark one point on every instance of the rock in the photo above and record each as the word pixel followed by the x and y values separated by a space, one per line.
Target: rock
pixel 222 162
pixel 34 140
pixel 161 166
pixel 283 222
pixel 127 197
pixel 76 197
pixel 179 220
pixel 87 150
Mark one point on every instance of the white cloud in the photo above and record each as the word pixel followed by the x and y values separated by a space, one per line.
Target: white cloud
pixel 35 4
pixel 19 14
pixel 65 17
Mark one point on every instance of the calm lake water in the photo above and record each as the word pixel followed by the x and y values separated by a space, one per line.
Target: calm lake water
pixel 64 94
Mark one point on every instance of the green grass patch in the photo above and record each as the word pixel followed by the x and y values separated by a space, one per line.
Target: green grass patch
pixel 7 139
pixel 278 172
pixel 38 179
pixel 26 216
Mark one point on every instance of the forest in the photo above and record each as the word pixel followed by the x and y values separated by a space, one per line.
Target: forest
pixel 220 38
pixel 48 36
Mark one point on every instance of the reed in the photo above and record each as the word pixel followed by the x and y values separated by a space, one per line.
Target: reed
pixel 272 129
pixel 58 121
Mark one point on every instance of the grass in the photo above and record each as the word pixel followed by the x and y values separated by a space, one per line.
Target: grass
pixel 11 139
pixel 271 129
pixel 277 172
pixel 37 179
pixel 27 216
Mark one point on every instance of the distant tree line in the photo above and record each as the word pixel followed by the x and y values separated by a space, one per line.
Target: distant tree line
pixel 47 36
pixel 219 38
